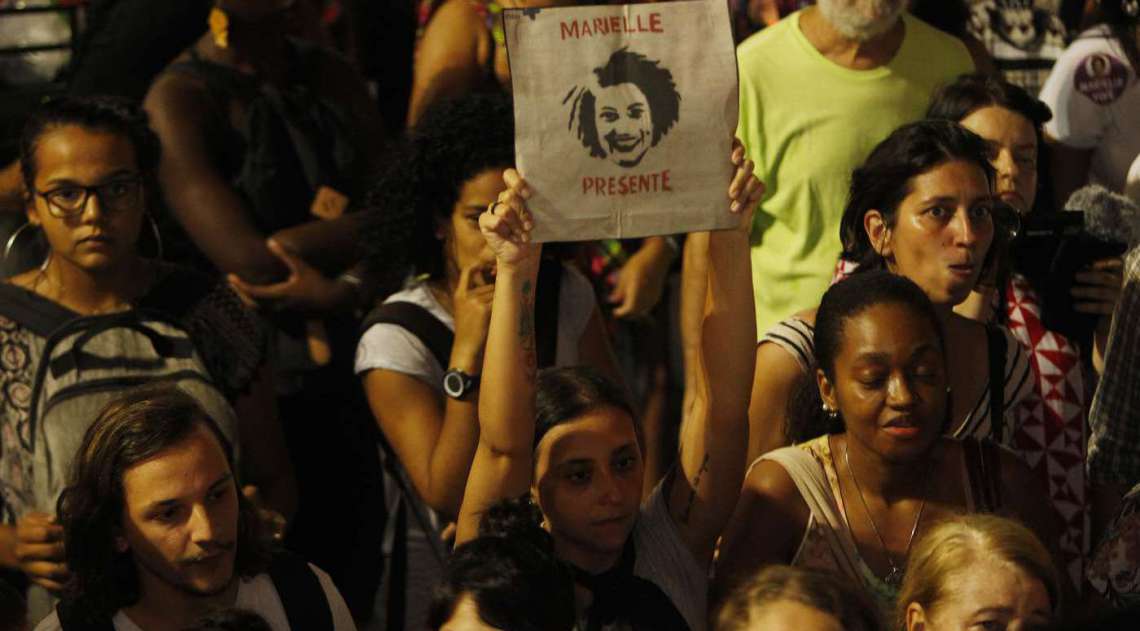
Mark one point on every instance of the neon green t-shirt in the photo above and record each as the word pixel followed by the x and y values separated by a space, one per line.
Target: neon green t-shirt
pixel 807 123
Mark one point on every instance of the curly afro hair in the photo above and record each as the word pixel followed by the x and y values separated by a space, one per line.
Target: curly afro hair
pixel 454 141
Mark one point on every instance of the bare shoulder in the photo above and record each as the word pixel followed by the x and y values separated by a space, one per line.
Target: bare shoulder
pixel 770 480
pixel 807 315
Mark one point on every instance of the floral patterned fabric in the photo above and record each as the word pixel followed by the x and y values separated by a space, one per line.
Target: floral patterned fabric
pixel 229 339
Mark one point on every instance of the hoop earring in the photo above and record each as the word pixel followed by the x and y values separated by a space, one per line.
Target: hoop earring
pixel 157 235
pixel 10 244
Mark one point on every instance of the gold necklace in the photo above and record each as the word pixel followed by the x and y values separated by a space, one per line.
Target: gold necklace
pixel 895 576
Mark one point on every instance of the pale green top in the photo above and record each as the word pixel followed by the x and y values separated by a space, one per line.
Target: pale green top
pixel 807 123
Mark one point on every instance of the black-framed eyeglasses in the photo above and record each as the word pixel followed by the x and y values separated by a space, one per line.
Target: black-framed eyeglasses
pixel 70 200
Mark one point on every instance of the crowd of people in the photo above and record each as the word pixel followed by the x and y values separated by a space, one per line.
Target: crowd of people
pixel 278 352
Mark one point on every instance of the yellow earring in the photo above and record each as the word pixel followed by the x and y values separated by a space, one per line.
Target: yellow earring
pixel 220 27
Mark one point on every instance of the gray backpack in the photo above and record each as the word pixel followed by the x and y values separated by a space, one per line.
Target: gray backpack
pixel 86 361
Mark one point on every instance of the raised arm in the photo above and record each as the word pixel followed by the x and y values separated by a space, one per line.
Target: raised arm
pixel 447 61
pixel 503 464
pixel 714 434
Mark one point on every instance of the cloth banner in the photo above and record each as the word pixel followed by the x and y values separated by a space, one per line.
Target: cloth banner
pixel 624 117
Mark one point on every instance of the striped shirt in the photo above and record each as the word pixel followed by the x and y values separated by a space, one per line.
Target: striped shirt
pixel 797 337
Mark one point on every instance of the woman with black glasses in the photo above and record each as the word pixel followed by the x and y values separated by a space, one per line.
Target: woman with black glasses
pixel 97 316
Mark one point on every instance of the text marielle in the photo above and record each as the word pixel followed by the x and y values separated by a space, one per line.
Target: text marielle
pixel 575 29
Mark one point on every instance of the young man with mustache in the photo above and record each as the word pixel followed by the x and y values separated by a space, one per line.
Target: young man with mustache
pixel 157 534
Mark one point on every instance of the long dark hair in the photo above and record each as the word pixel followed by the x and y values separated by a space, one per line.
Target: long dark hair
pixel 564 394
pixel 843 301
pixel 971 92
pixel 454 141
pixel 134 427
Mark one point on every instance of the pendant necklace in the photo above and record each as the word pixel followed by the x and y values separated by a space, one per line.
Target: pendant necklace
pixel 895 576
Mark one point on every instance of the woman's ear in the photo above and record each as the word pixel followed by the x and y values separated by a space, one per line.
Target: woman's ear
pixel 916 618
pixel 878 232
pixel 826 391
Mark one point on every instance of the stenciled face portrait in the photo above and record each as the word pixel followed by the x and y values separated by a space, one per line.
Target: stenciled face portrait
pixel 626 107
pixel 180 517
pixel 588 475
pixel 88 196
pixel 624 123
pixel 990 594
pixel 1013 153
pixel 889 382
pixel 942 231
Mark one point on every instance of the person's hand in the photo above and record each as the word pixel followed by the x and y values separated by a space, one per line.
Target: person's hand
pixel 641 281
pixel 271 522
pixel 39 550
pixel 305 289
pixel 507 223
pixel 745 190
pixel 1096 289
pixel 472 303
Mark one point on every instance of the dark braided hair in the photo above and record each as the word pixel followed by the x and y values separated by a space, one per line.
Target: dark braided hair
pixel 845 300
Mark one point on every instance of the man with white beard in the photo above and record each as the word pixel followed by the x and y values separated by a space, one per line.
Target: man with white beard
pixel 818 90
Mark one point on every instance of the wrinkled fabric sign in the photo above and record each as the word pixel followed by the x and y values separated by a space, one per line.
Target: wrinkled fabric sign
pixel 624 117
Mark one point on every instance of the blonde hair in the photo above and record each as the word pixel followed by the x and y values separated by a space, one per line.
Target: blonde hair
pixel 817 589
pixel 953 545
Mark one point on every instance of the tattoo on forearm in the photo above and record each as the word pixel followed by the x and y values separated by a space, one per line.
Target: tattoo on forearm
pixel 526 330
pixel 693 490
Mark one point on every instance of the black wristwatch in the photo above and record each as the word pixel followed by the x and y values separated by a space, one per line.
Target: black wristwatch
pixel 457 384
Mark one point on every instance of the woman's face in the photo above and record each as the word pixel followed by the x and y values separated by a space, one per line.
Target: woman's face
pixel 625 126
pixel 464 245
pixel 990 595
pixel 88 196
pixel 1013 152
pixel 942 231
pixel 889 382
pixel 588 475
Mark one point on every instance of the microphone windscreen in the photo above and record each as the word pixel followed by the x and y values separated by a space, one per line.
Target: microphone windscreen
pixel 1108 216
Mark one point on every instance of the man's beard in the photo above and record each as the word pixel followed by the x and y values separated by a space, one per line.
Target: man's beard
pixel 846 17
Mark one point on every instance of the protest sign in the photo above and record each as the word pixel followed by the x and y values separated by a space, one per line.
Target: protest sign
pixel 624 117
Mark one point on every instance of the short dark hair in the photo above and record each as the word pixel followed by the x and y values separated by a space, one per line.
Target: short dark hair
pixel 822 591
pixel 110 114
pixel 511 572
pixel 972 92
pixel 565 394
pixel 655 82
pixel 884 179
pixel 841 302
pixel 454 141
pixel 137 425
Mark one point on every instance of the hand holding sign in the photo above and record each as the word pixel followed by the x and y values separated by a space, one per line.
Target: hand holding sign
pixel 507 224
pixel 623 115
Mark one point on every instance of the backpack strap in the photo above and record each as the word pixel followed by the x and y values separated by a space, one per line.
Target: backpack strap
pixel 306 605
pixel 419 322
pixel 38 314
pixel 997 349
pixel 983 472
pixel 546 299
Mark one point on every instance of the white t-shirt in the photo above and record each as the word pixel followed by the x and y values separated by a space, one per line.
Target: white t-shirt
pixel 257 595
pixel 392 347
pixel 1095 100
pixel 664 559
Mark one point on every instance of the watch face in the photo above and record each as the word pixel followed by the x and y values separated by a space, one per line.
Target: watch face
pixel 453 384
